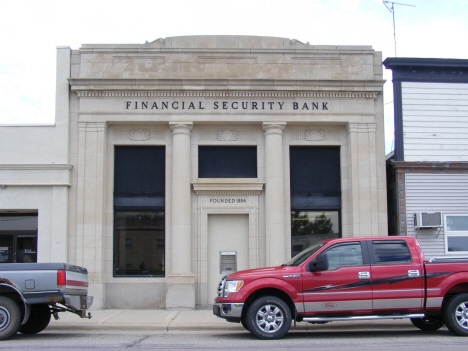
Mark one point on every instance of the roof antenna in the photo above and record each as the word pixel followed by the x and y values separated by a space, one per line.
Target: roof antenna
pixel 392 10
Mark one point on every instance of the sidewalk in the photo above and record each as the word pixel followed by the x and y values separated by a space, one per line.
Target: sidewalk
pixel 198 320
pixel 143 320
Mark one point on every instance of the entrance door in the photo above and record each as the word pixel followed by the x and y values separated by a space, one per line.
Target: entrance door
pixel 228 241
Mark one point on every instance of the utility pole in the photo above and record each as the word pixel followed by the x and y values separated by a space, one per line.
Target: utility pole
pixel 392 10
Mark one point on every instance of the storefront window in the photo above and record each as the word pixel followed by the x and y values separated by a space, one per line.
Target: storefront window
pixel 309 227
pixel 18 238
pixel 139 244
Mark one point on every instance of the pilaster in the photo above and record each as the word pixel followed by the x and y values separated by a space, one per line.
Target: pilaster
pixel 180 283
pixel 90 205
pixel 364 197
pixel 274 194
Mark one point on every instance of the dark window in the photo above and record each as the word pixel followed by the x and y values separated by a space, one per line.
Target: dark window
pixel 139 216
pixel 315 171
pixel 139 170
pixel 227 162
pixel 391 252
pixel 18 238
pixel 344 256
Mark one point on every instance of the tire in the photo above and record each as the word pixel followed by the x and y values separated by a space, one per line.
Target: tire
pixel 456 314
pixel 269 318
pixel 10 318
pixel 38 320
pixel 244 324
pixel 428 323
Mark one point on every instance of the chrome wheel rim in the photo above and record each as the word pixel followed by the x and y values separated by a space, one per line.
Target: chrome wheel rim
pixel 461 315
pixel 4 318
pixel 270 318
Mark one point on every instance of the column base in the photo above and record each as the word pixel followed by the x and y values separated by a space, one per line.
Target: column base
pixel 180 291
pixel 98 293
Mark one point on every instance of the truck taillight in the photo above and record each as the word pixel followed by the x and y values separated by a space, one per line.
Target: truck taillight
pixel 61 279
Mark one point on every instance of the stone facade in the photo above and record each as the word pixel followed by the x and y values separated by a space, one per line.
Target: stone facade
pixel 187 92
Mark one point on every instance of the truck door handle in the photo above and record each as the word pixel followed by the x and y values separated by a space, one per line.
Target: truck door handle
pixel 364 275
pixel 413 273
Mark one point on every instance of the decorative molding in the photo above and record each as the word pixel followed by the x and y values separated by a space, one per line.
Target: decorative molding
pixel 315 135
pixel 238 186
pixel 167 94
pixel 228 135
pixel 228 192
pixel 236 134
pixel 139 134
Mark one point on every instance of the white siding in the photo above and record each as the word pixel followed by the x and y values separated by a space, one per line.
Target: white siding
pixel 446 193
pixel 435 121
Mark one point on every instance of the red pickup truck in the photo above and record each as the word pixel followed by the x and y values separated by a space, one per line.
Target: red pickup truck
pixel 349 279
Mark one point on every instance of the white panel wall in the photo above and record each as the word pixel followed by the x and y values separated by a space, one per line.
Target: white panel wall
pixel 435 121
pixel 446 193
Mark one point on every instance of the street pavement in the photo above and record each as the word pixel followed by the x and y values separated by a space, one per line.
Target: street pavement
pixel 197 320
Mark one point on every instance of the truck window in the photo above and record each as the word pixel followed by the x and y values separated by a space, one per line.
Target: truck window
pixel 304 255
pixel 344 256
pixel 391 252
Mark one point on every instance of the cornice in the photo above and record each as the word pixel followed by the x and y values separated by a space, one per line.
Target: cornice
pixel 52 166
pixel 429 167
pixel 18 185
pixel 165 94
pixel 86 88
pixel 227 186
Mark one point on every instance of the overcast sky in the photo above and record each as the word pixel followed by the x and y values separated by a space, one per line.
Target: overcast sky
pixel 31 31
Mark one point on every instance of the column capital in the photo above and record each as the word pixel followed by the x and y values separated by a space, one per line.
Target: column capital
pixel 273 127
pixel 84 126
pixel 181 127
pixel 362 127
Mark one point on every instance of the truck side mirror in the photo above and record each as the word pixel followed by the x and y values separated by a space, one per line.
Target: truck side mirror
pixel 318 263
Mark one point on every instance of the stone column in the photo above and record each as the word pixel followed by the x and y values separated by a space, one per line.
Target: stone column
pixel 180 283
pixel 274 194
pixel 364 189
pixel 91 206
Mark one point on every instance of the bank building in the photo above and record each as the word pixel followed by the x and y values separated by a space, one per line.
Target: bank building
pixel 174 162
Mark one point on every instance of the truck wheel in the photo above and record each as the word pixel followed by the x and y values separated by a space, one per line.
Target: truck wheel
pixel 244 324
pixel 10 318
pixel 268 318
pixel 38 320
pixel 428 323
pixel 456 314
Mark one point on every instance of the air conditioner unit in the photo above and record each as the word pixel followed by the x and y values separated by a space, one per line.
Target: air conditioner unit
pixel 424 220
